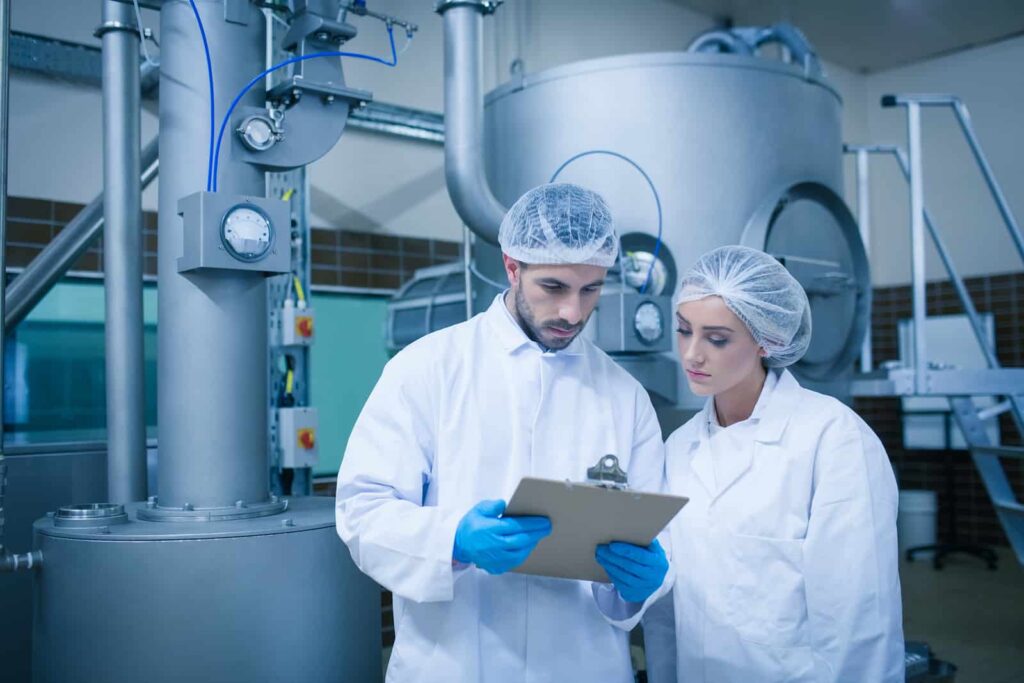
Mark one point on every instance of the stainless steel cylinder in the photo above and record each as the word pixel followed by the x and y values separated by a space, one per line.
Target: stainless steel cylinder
pixel 273 599
pixel 122 255
pixel 212 378
pixel 741 150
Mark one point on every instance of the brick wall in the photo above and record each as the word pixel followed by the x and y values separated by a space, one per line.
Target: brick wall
pixel 1003 296
pixel 340 258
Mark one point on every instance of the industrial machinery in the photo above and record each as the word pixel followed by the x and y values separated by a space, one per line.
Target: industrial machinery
pixel 242 582
pixel 692 150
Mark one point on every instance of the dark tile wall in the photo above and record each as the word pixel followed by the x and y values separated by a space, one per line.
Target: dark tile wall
pixel 342 258
pixel 1003 296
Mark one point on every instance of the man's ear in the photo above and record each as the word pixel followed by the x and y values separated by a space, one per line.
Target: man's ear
pixel 513 269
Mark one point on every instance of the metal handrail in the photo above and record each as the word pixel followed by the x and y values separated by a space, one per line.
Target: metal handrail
pixel 963 117
pixel 921 220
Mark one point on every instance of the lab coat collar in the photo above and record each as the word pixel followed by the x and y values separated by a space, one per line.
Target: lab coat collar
pixel 772 411
pixel 510 334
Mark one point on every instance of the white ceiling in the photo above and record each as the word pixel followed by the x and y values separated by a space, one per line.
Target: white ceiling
pixel 874 35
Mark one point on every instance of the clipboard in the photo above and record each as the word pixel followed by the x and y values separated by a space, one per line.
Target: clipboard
pixel 584 516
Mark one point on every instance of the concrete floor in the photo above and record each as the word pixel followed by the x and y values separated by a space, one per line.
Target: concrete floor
pixel 969 615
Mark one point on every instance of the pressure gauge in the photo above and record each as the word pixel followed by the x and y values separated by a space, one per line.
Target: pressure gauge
pixel 648 323
pixel 247 233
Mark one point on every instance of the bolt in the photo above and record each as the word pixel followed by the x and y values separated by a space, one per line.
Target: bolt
pixel 187 506
pixel 287 523
pixel 273 498
pixel 322 35
pixel 239 504
pixel 329 99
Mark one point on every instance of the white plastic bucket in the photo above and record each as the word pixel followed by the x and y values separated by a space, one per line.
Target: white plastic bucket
pixel 916 520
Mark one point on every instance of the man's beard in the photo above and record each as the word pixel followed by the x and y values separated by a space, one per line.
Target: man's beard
pixel 535 330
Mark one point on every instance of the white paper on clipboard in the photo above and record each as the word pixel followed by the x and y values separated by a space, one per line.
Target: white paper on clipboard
pixel 584 516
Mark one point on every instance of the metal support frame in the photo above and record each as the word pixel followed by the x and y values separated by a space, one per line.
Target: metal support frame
pixel 122 256
pixel 917 253
pixel 864 221
pixel 57 257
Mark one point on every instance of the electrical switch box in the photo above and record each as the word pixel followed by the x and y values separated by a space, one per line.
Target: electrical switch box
pixel 297 431
pixel 296 326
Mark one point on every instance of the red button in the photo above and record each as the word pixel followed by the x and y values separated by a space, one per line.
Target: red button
pixel 304 326
pixel 307 438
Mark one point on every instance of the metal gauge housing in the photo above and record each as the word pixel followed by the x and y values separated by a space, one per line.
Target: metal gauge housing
pixel 247 233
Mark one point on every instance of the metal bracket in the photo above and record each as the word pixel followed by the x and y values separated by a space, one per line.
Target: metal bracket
pixel 607 473
pixel 108 26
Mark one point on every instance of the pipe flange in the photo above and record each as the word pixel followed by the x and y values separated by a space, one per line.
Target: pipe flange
pixel 90 515
pixel 152 512
pixel 482 6
pixel 109 26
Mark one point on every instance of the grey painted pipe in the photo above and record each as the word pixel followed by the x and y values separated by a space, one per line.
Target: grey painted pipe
pixel 463 121
pixel 5 29
pixel 122 256
pixel 212 366
pixel 50 265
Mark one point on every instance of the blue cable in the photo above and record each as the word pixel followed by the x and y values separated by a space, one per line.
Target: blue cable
pixel 293 60
pixel 209 73
pixel 654 191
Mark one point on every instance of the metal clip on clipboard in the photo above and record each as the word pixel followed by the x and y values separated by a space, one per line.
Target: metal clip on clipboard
pixel 608 474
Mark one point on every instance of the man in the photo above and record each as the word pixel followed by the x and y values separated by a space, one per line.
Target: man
pixel 456 420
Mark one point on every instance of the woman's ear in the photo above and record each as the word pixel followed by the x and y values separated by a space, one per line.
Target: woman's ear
pixel 761 352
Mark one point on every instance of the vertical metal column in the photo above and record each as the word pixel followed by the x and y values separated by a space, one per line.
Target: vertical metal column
pixel 917 244
pixel 864 220
pixel 122 256
pixel 5 26
pixel 212 376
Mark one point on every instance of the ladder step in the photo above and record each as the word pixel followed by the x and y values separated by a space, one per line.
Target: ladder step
pixel 1015 452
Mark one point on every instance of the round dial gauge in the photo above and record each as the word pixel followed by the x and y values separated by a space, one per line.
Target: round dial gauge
pixel 647 322
pixel 247 233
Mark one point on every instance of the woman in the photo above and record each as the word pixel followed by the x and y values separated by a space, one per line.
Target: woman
pixel 786 554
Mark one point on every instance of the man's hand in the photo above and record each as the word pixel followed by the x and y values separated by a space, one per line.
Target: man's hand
pixel 494 544
pixel 636 572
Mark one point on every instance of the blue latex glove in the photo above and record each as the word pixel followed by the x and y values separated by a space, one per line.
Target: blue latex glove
pixel 497 544
pixel 636 572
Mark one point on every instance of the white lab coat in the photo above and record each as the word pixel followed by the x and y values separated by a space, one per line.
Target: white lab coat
pixel 462 415
pixel 786 554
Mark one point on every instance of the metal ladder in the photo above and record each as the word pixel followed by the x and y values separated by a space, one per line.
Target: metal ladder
pixel 958 386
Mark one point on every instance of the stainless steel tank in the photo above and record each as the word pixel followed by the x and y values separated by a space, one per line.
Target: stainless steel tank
pixel 740 149
pixel 270 599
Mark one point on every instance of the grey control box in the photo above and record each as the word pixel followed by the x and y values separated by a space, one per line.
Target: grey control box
pixel 234 232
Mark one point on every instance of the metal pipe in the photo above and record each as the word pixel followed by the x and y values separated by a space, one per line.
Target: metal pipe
pixel 50 265
pixel 211 370
pixel 720 40
pixel 964 117
pixel 5 30
pixel 122 256
pixel 463 117
pixel 864 221
pixel 917 244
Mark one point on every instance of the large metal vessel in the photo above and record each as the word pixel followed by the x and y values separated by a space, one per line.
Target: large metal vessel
pixel 741 150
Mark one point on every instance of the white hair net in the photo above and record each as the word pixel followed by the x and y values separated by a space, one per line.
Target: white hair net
pixel 560 223
pixel 761 292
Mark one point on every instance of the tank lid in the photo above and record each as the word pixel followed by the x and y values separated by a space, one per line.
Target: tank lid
pixel 656 59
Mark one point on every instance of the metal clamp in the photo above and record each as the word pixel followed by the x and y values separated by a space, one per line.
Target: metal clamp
pixel 108 26
pixel 483 6
pixel 607 473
